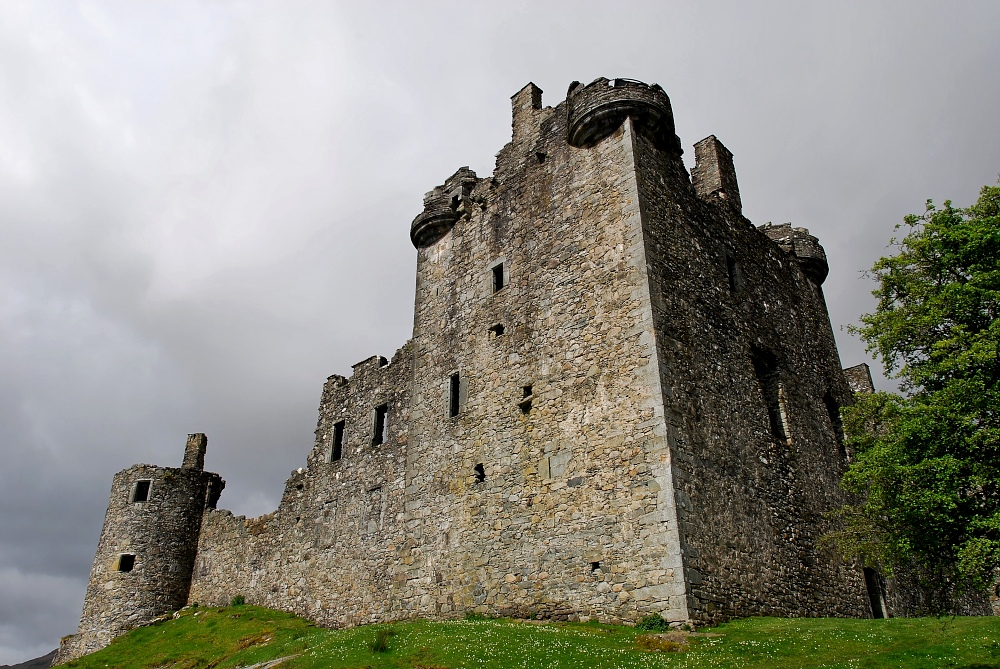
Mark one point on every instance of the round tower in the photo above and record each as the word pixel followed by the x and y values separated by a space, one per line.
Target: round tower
pixel 145 557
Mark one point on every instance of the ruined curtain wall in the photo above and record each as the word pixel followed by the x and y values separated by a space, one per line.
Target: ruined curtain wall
pixel 330 549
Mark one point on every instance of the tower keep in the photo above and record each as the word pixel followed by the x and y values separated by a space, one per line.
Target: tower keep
pixel 620 397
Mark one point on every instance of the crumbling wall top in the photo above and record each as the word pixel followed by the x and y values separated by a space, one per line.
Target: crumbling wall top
pixel 859 378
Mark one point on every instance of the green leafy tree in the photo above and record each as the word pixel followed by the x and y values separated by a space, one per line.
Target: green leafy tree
pixel 926 471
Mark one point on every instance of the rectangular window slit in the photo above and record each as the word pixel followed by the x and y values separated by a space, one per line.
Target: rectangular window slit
pixel 594 566
pixel 337 451
pixel 126 562
pixel 732 271
pixel 526 397
pixel 496 331
pixel 765 367
pixel 833 411
pixel 141 491
pixel 480 472
pixel 378 433
pixel 498 277
pixel 454 391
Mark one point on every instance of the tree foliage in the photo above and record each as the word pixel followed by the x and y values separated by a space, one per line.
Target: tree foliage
pixel 926 471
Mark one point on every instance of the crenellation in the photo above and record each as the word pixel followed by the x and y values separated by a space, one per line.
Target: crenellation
pixel 619 398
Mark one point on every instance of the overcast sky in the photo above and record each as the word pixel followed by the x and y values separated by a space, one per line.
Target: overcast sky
pixel 204 206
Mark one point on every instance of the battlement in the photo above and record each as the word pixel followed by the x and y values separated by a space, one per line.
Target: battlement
pixel 805 247
pixel 596 110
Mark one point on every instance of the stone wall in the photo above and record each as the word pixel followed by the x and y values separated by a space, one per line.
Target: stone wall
pixel 752 384
pixel 331 550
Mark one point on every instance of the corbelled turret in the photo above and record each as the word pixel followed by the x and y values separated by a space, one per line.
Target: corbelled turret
pixel 599 108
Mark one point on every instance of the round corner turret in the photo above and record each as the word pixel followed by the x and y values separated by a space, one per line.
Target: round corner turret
pixel 434 222
pixel 804 246
pixel 442 208
pixel 599 108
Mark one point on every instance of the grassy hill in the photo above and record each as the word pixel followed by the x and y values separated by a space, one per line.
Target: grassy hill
pixel 244 636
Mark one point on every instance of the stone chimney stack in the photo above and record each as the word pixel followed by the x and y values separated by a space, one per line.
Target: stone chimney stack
pixel 194 452
pixel 714 176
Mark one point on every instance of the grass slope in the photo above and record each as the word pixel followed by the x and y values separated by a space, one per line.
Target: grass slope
pixel 243 636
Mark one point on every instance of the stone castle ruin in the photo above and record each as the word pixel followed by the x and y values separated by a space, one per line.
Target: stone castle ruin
pixel 620 398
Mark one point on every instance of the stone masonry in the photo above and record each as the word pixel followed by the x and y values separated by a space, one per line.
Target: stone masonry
pixel 620 398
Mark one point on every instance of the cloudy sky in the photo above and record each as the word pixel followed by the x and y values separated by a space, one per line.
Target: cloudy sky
pixel 204 206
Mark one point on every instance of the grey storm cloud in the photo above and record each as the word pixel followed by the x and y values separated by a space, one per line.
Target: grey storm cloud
pixel 204 206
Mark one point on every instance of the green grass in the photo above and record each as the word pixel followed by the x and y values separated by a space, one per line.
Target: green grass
pixel 241 636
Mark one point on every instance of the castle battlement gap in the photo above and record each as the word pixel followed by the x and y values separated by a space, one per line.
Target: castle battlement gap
pixel 620 397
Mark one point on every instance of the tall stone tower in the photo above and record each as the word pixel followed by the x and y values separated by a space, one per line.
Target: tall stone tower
pixel 624 393
pixel 146 552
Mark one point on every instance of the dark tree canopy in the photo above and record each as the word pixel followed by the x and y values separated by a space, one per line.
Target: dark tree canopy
pixel 926 470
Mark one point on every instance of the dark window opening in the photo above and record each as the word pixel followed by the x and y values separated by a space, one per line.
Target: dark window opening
pixel 496 331
pixel 526 398
pixel 141 491
pixel 126 562
pixel 733 273
pixel 378 433
pixel 873 583
pixel 498 277
pixel 765 366
pixel 455 201
pixel 833 411
pixel 214 491
pixel 594 566
pixel 337 452
pixel 540 156
pixel 480 472
pixel 382 362
pixel 454 390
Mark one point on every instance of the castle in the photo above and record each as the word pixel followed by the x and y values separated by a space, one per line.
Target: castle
pixel 620 397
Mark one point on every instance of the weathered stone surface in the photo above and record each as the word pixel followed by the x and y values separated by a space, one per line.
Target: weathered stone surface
pixel 154 515
pixel 620 397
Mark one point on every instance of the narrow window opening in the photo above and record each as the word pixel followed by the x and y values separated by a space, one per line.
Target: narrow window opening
pixel 378 433
pixel 496 331
pixel 126 562
pixel 540 156
pixel 765 367
pixel 141 491
pixel 873 583
pixel 526 397
pixel 480 472
pixel 833 411
pixel 337 451
pixel 382 362
pixel 498 283
pixel 733 273
pixel 594 566
pixel 454 389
